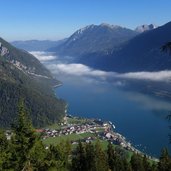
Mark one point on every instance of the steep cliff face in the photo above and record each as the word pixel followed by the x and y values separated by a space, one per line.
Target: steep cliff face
pixel 3 50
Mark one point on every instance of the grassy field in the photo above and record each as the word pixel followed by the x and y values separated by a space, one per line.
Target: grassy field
pixel 76 137
pixel 73 120
pixel 71 137
pixel 79 121
pixel 56 126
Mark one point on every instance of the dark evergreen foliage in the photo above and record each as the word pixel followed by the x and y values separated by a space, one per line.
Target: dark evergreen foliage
pixel 165 161
pixel 26 152
pixel 37 91
pixel 166 47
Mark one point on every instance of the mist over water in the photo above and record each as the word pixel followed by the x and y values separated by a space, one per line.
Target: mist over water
pixel 137 103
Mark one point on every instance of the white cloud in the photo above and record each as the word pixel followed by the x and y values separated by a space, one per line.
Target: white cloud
pixel 153 76
pixel 82 70
pixel 43 56
pixel 73 69
pixel 76 69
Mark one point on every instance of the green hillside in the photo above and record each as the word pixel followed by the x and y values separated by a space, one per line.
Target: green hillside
pixel 23 76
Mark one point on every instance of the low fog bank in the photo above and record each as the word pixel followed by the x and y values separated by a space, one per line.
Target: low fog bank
pixel 58 66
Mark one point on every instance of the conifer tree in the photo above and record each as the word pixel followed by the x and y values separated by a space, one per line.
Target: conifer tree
pixel 66 152
pixel 79 160
pixel 165 161
pixel 101 163
pixel 146 164
pixel 166 47
pixel 3 151
pixel 90 157
pixel 136 163
pixel 126 165
pixel 58 155
pixel 23 140
pixel 38 156
pixel 111 156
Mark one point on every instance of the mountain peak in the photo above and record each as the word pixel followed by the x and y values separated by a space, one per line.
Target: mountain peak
pixel 92 26
pixel 145 27
pixel 109 25
pixel 93 38
pixel 85 28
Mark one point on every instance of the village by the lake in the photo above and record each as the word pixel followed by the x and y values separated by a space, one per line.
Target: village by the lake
pixel 86 130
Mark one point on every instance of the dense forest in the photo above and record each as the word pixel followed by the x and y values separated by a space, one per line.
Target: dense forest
pixel 24 151
pixel 22 75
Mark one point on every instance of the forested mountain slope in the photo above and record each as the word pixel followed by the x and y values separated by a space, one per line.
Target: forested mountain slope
pixel 23 76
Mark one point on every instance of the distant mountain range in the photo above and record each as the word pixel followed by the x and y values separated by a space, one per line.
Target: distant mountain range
pixel 36 45
pixel 90 39
pixel 141 53
pixel 94 38
pixel 105 47
pixel 23 76
pixel 115 48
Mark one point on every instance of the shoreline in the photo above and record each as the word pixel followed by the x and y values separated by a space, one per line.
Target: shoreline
pixel 102 130
pixel 57 85
pixel 124 142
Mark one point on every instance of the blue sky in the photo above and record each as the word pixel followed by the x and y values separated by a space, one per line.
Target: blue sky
pixel 57 19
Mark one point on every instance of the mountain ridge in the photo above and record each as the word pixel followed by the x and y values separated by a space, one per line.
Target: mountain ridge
pixel 23 76
pixel 36 45
pixel 141 53
pixel 93 38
